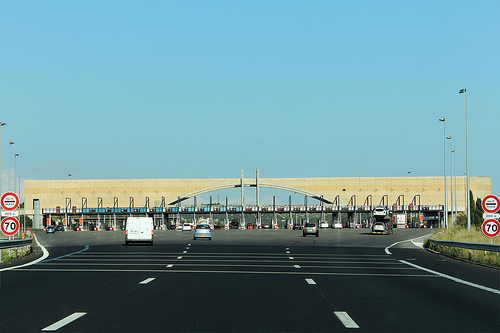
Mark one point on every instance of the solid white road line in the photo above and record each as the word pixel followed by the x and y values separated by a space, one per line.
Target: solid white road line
pixel 147 281
pixel 64 321
pixel 346 319
pixel 310 281
pixel 45 255
pixel 408 240
pixel 491 290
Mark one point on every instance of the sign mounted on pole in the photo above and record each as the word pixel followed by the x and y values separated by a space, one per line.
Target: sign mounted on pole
pixel 9 226
pixel 10 201
pixel 490 203
pixel 491 228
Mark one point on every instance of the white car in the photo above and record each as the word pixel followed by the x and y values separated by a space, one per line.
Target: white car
pixel 187 227
pixel 338 225
pixel 379 211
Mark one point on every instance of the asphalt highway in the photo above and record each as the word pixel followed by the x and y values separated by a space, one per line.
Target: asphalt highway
pixel 248 281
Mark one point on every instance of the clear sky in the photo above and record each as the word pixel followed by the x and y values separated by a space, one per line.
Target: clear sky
pixel 201 89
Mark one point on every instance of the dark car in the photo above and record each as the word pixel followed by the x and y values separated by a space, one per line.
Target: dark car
pixel 60 227
pixel 297 226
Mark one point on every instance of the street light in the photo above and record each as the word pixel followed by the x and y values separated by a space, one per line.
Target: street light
pixel 445 217
pixel 455 181
pixel 462 91
pixel 10 144
pixel 451 179
pixel 1 124
pixel 15 173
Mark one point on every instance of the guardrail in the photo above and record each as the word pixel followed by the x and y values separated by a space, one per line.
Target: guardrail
pixel 470 246
pixel 8 244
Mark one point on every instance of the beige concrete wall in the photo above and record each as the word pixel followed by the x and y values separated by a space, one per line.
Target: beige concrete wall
pixel 53 193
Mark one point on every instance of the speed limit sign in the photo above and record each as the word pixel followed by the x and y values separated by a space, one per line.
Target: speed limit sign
pixel 491 228
pixel 9 226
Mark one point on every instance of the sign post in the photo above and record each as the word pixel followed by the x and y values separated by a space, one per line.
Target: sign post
pixel 9 226
pixel 491 228
pixel 490 203
pixel 10 201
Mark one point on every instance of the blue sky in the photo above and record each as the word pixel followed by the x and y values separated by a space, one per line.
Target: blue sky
pixel 201 89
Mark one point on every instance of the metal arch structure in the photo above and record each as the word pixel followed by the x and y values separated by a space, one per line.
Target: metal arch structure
pixel 237 183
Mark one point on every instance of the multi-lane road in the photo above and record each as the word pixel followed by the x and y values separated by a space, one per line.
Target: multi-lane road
pixel 248 281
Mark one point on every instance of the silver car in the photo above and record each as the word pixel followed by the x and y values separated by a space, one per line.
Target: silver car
pixel 310 229
pixel 202 231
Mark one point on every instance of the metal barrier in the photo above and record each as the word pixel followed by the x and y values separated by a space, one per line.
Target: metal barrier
pixel 8 244
pixel 470 246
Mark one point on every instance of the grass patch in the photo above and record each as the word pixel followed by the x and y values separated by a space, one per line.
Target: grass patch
pixel 460 234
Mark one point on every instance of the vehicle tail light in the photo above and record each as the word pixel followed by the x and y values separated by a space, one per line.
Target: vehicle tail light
pixel 126 232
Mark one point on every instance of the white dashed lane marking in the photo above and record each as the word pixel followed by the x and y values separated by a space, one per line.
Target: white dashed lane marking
pixel 64 321
pixel 346 319
pixel 147 281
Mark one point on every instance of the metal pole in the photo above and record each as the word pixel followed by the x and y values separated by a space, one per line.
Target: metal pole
pixel 242 191
pixel 15 173
pixel 445 214
pixel 467 157
pixel 451 180
pixel 455 176
pixel 1 124
pixel 10 144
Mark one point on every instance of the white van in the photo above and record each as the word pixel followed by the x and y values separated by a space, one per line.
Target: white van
pixel 139 229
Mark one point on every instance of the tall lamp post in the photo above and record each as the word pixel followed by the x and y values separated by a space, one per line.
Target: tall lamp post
pixel 451 180
pixel 1 124
pixel 445 215
pixel 15 173
pixel 455 181
pixel 464 91
pixel 10 144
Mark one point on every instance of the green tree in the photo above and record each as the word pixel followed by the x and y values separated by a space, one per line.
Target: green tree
pixel 476 213
pixel 477 216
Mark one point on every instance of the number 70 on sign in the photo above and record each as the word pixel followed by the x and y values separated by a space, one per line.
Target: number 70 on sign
pixel 491 228
pixel 9 226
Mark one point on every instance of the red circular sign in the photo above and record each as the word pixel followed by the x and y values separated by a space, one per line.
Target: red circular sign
pixel 491 228
pixel 10 201
pixel 490 203
pixel 9 226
